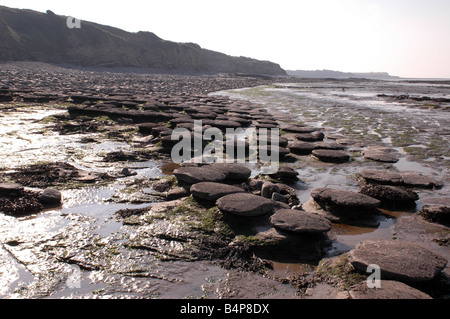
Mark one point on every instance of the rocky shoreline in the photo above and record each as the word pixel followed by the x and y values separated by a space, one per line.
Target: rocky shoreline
pixel 233 215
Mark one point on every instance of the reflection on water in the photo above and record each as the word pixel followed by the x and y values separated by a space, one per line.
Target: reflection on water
pixel 348 236
pixel 168 169
pixel 406 165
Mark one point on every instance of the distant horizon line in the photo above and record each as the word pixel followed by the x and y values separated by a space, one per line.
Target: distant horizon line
pixel 388 75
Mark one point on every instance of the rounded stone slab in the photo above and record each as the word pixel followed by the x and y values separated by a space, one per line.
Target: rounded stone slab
pixel 389 290
pixel 244 204
pixel 298 129
pixel 331 156
pixel 233 171
pixel 301 148
pixel 224 124
pixel 391 196
pixel 194 175
pixel 344 199
pixel 381 177
pixel 398 260
pixel 213 191
pixel 310 137
pixel 420 181
pixel 300 222
pixel 328 146
pixel 407 179
pixel 380 156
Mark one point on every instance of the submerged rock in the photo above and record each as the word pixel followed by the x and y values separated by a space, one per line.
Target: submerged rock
pixel 398 260
pixel 244 204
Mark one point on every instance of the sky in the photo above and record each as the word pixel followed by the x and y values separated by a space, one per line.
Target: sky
pixel 407 38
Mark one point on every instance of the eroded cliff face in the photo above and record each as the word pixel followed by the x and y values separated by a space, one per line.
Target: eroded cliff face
pixel 27 35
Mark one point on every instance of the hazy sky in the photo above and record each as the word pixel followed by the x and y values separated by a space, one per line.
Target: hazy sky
pixel 409 38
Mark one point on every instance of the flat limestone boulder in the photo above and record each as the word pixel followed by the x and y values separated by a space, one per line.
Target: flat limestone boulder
pixel 300 222
pixel 398 260
pixel 391 196
pixel 194 175
pixel 329 146
pixel 213 191
pixel 265 125
pixel 407 179
pixel 380 156
pixel 298 129
pixel 310 137
pixel 419 180
pixel 383 177
pixel 224 124
pixel 233 171
pixel 389 290
pixel 331 156
pixel 335 199
pixel 301 148
pixel 244 204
